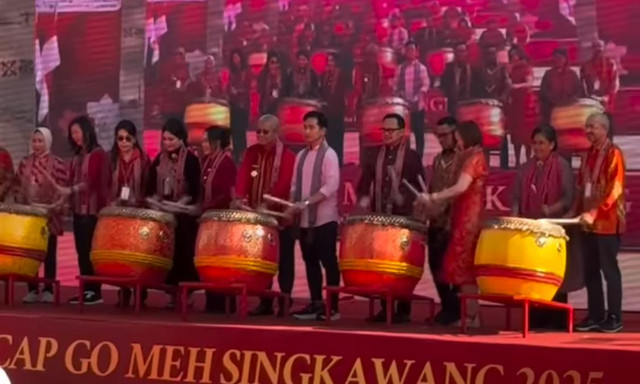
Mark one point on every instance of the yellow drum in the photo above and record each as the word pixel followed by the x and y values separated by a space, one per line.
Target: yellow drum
pixel 24 236
pixel 521 258
pixel 199 117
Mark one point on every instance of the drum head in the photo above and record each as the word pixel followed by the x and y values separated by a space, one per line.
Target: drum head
pixel 490 102
pixel 526 225
pixel 387 221
pixel 26 210
pixel 138 213
pixel 232 215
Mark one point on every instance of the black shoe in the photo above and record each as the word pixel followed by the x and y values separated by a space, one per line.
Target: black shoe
pixel 90 298
pixel 379 317
pixel 263 309
pixel 310 312
pixel 445 319
pixel 612 324
pixel 587 325
pixel 333 315
pixel 396 318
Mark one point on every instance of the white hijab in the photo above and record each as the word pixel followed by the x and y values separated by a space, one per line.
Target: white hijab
pixel 48 137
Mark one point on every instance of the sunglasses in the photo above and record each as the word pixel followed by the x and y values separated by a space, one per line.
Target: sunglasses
pixel 128 139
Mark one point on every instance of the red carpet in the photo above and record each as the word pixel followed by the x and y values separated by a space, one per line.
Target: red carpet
pixel 41 344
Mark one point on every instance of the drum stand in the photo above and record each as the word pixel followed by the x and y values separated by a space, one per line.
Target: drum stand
pixel 122 282
pixel 378 294
pixel 239 289
pixel 10 280
pixel 510 302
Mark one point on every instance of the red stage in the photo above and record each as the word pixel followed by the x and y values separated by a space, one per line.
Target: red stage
pixel 42 344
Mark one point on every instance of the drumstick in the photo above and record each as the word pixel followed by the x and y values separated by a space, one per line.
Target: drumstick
pixel 245 207
pixel 277 200
pixel 410 187
pixel 423 185
pixel 572 221
pixel 273 213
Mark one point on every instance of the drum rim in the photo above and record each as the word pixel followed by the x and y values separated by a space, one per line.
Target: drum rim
pixel 212 100
pixel 311 102
pixel 526 225
pixel 389 100
pixel 20 209
pixel 138 213
pixel 236 215
pixel 485 101
pixel 386 221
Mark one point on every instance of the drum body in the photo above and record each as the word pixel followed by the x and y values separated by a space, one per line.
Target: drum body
pixel 198 117
pixel 437 61
pixel 569 122
pixel 521 258
pixel 237 247
pixel 382 252
pixel 291 112
pixel 371 115
pixel 135 243
pixel 24 236
pixel 488 114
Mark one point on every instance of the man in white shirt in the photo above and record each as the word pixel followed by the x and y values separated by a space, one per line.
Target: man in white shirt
pixel 314 191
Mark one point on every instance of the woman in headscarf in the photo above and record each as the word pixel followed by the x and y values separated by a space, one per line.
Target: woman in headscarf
pixel 174 186
pixel 32 187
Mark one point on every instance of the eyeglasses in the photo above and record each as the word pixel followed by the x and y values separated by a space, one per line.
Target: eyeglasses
pixel 128 139
pixel 262 131
pixel 391 130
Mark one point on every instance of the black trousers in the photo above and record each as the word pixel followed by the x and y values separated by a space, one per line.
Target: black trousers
pixel 335 134
pixel 286 263
pixel 239 126
pixel 438 241
pixel 417 126
pixel 601 257
pixel 319 250
pixel 83 228
pixel 184 268
pixel 50 261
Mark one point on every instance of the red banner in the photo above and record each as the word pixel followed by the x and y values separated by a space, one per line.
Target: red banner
pixel 95 352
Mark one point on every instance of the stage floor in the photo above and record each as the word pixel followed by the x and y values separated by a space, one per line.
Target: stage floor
pixel 106 340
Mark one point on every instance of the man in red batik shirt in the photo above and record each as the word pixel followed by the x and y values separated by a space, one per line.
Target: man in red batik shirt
pixel 267 168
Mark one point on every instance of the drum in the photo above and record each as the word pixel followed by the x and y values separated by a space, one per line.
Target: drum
pixel 437 61
pixel 291 111
pixel 257 61
pixel 198 117
pixel 319 60
pixel 387 59
pixel 135 243
pixel 521 257
pixel 24 236
pixel 237 247
pixel 488 114
pixel 371 115
pixel 569 122
pixel 383 252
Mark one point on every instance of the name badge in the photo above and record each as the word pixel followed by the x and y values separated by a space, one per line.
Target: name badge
pixel 587 190
pixel 125 192
pixel 274 93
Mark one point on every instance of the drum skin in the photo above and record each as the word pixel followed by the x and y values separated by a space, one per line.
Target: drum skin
pixel 569 122
pixel 437 61
pixel 198 117
pixel 237 247
pixel 24 236
pixel 371 115
pixel 488 114
pixel 291 113
pixel 382 252
pixel 135 243
pixel 521 258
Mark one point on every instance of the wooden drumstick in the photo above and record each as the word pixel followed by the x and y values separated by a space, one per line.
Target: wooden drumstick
pixel 571 221
pixel 423 185
pixel 272 213
pixel 410 187
pixel 245 207
pixel 277 200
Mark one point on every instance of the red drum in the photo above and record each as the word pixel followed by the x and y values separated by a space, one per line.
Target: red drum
pixel 371 115
pixel 382 252
pixel 291 112
pixel 569 122
pixel 488 114
pixel 437 61
pixel 136 243
pixel 237 247
pixel 257 61
pixel 319 60
pixel 198 117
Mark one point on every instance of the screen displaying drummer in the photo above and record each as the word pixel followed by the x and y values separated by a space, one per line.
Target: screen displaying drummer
pixel 267 168
pixel 314 191
pixel 381 188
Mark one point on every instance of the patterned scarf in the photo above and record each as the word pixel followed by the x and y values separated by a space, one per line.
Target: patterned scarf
pixel 381 170
pixel 211 165
pixel 170 180
pixel 541 185
pixel 128 174
pixel 316 179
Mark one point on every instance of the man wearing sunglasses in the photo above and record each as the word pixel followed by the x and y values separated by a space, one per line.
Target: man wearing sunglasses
pixel 267 168
pixel 381 190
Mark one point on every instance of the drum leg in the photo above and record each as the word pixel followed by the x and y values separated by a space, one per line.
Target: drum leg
pixel 390 308
pixel 570 319
pixel 525 314
pixel 183 290
pixel 463 314
pixel 508 317
pixel 10 287
pixel 137 296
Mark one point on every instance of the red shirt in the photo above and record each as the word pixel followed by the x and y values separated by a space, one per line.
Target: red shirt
pixel 92 170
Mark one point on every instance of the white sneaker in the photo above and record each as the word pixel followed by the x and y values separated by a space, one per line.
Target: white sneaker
pixel 31 297
pixel 47 297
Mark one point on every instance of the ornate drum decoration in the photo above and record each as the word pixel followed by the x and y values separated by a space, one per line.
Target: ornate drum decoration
pixel 371 115
pixel 521 257
pixel 257 61
pixel 569 121
pixel 488 114
pixel 291 112
pixel 437 61
pixel 319 60
pixel 132 242
pixel 382 251
pixel 200 116
pixel 24 236
pixel 237 247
